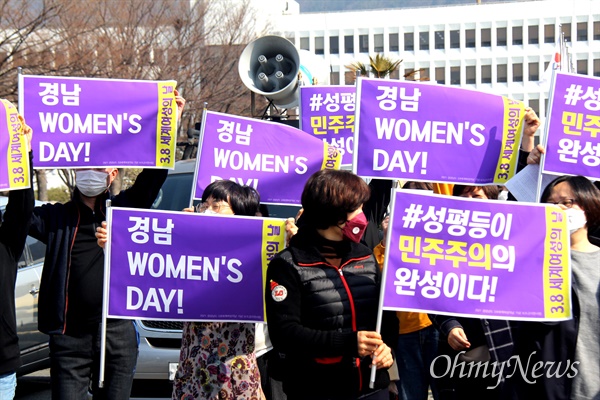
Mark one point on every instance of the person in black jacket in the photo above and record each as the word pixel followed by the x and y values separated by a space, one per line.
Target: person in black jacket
pixel 13 233
pixel 322 297
pixel 70 302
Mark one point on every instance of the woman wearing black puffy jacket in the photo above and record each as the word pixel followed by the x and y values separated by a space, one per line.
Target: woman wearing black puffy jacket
pixel 322 297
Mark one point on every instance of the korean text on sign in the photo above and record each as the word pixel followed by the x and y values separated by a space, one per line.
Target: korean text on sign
pixel 573 132
pixel 479 258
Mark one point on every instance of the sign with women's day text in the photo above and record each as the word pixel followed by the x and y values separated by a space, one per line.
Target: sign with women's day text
pixel 14 161
pixel 573 127
pixel 327 112
pixel 477 258
pixel 275 159
pixel 189 267
pixel 95 123
pixel 426 132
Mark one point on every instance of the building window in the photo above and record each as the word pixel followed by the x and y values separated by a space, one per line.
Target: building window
pixel 582 35
pixel 501 73
pixel 423 40
pixel 596 30
pixel 455 75
pixel 597 67
pixel 334 78
pixel 534 72
pixel 517 71
pixel 501 37
pixel 535 104
pixel 440 75
pixel 349 44
pixel 533 34
pixel 517 35
pixel 409 41
pixel 439 40
pixel 470 74
pixel 486 37
pixel 363 43
pixel 394 42
pixel 320 45
pixel 455 39
pixel 582 67
pixel 470 38
pixel 566 30
pixel 395 74
pixel 304 43
pixel 424 74
pixel 378 43
pixel 486 74
pixel 548 33
pixel 334 45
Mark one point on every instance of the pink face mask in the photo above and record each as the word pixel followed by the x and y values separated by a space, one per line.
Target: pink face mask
pixel 355 227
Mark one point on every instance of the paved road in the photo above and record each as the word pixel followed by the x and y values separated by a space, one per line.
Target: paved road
pixel 36 386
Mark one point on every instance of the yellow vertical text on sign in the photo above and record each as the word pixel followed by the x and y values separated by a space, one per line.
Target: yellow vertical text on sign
pixel 166 125
pixel 514 112
pixel 17 160
pixel 332 157
pixel 557 273
pixel 273 239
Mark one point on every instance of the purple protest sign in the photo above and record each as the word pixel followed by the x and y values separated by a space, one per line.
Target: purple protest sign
pixel 14 161
pixel 274 158
pixel 189 267
pixel 425 132
pixel 477 258
pixel 573 127
pixel 327 112
pixel 81 122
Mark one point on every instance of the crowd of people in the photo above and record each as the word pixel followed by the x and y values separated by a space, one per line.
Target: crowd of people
pixel 322 297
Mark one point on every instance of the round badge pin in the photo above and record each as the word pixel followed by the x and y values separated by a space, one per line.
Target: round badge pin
pixel 279 293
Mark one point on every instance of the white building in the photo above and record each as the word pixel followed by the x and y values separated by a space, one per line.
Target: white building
pixel 500 48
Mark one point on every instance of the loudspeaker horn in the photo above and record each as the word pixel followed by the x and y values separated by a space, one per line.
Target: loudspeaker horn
pixel 270 66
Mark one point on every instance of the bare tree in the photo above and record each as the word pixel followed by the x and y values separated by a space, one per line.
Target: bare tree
pixel 22 40
pixel 68 178
pixel 197 43
pixel 42 184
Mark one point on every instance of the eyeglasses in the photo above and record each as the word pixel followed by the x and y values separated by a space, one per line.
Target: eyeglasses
pixel 214 206
pixel 567 203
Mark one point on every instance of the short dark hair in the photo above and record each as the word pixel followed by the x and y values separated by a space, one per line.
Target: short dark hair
pixel 587 196
pixel 329 195
pixel 243 200
pixel 415 185
pixel 490 191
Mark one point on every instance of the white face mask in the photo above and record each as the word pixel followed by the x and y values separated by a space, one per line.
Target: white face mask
pixel 503 196
pixel 91 183
pixel 575 219
pixel 209 212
